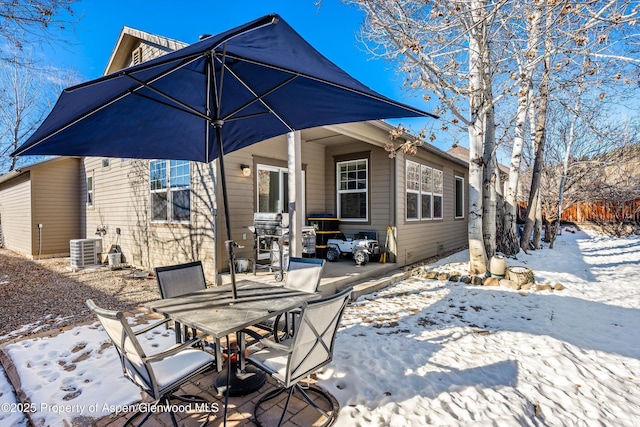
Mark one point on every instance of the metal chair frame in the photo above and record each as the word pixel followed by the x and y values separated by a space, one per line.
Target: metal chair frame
pixel 309 349
pixel 303 274
pixel 140 368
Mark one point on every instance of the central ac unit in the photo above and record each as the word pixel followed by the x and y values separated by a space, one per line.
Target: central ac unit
pixel 85 252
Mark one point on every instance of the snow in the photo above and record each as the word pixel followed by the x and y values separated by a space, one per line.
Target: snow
pixel 430 352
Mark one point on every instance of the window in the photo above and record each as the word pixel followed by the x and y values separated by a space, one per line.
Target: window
pixel 273 189
pixel 413 190
pixel 353 196
pixel 423 192
pixel 459 197
pixel 437 194
pixel 90 191
pixel 170 190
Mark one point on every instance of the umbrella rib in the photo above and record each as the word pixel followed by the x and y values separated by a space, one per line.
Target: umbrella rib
pixel 185 107
pixel 116 98
pixel 330 83
pixel 159 62
pixel 71 123
pixel 256 97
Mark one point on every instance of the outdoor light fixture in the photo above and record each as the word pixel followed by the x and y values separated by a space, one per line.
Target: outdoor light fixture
pixel 246 170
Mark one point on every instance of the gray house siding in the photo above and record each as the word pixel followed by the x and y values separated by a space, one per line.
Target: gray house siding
pixel 421 239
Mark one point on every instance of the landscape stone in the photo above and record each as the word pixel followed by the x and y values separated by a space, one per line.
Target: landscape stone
pixel 491 281
pixel 509 284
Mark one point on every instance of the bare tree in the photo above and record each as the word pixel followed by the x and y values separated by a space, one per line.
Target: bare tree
pixel 444 47
pixel 26 22
pixel 28 92
pixel 587 37
pixel 474 55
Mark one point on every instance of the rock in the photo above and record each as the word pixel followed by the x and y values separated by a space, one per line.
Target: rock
pixel 526 286
pixel 491 281
pixel 509 284
pixel 443 276
pixel 465 279
pixel 543 287
pixel 454 277
pixel 558 287
pixel 430 274
pixel 476 280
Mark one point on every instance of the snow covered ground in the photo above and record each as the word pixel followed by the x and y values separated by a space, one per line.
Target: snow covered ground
pixel 429 352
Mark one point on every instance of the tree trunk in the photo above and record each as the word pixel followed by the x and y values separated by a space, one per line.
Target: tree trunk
pixel 539 143
pixel 477 254
pixel 565 166
pixel 509 241
pixel 537 226
pixel 490 181
pixel 509 238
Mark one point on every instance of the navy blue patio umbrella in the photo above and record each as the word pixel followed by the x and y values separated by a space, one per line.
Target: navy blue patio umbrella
pixel 218 95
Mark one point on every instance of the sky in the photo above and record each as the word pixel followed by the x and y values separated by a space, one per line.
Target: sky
pixel 331 28
pixel 426 351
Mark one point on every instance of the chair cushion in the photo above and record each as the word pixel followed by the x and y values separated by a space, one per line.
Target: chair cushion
pixel 271 360
pixel 174 370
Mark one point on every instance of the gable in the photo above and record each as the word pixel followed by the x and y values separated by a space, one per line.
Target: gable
pixel 139 45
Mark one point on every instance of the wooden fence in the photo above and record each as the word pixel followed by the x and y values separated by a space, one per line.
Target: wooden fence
pixel 603 211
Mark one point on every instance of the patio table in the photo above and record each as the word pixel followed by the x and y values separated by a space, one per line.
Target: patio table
pixel 214 312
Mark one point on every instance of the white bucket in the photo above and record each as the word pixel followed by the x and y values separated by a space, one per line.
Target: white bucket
pixel 114 258
pixel 242 265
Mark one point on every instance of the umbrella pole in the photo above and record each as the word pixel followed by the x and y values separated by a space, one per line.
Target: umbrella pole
pixel 229 243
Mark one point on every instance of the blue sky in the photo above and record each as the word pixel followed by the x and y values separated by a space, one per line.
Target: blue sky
pixel 331 28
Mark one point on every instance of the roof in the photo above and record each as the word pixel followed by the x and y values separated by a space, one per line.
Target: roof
pixel 426 146
pixel 463 153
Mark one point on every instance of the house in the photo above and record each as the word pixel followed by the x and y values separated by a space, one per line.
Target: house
pixel 41 208
pixel 160 212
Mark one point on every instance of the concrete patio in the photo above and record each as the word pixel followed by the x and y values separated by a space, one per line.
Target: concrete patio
pixel 339 275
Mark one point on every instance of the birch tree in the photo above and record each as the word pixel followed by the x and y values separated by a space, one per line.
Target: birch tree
pixel 477 56
pixel 443 47
pixel 588 37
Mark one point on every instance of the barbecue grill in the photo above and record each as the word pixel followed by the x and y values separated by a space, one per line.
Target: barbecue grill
pixel 269 236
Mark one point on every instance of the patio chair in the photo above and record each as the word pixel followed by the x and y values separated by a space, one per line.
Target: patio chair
pixel 159 374
pixel 180 279
pixel 303 274
pixel 310 348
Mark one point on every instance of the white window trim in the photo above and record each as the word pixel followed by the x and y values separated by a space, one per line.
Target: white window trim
pixel 426 194
pixel 90 191
pixel 281 196
pixel 339 192
pixel 169 196
pixel 421 193
pixel 434 194
pixel 407 190
pixel 461 179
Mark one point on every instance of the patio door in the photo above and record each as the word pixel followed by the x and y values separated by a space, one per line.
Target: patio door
pixel 273 192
